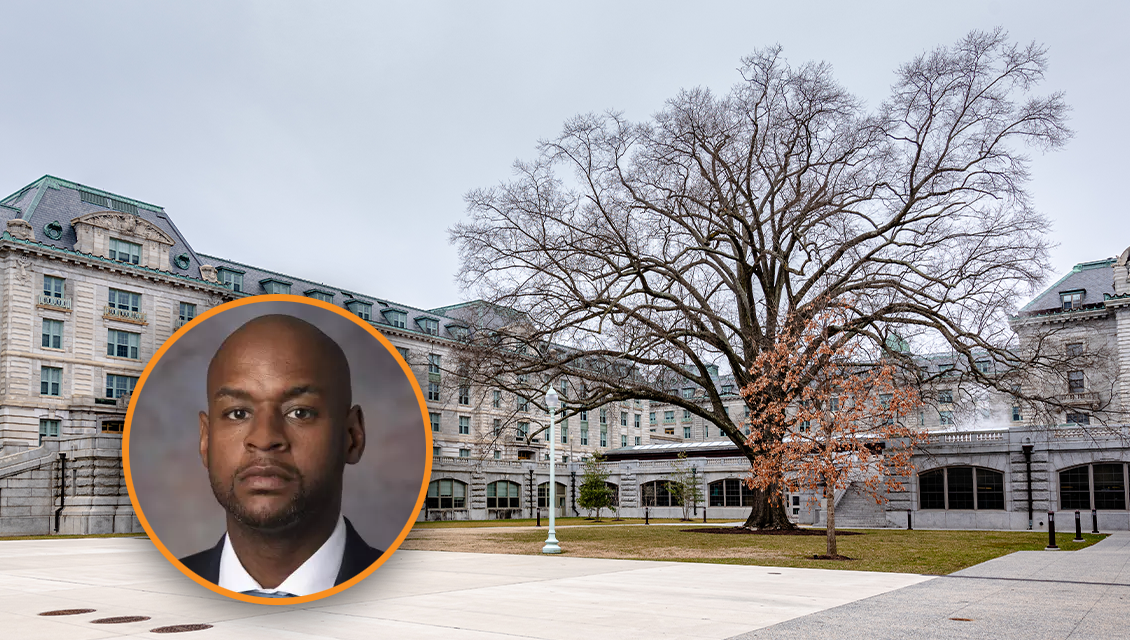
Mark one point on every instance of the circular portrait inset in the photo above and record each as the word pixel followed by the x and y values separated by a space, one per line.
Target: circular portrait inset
pixel 275 449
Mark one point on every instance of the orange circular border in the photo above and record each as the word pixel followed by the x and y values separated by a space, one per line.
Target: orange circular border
pixel 424 421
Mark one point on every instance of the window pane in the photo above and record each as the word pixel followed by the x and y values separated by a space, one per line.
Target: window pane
pixel 990 489
pixel 717 492
pixel 960 487
pixel 1074 489
pixel 1110 487
pixel 931 488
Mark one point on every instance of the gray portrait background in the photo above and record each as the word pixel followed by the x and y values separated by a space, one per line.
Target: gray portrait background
pixel 171 483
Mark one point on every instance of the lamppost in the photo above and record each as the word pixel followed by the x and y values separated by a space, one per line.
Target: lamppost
pixel 552 401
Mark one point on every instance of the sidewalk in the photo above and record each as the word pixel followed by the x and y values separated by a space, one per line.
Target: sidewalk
pixel 420 594
pixel 1029 594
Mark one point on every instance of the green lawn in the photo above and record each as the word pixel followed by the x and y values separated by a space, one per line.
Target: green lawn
pixel 926 552
pixel 561 522
pixel 92 535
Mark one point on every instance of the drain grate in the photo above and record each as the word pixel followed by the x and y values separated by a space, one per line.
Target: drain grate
pixel 180 628
pixel 66 612
pixel 120 620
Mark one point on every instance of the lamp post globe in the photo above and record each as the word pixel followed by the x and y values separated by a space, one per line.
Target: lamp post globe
pixel 552 401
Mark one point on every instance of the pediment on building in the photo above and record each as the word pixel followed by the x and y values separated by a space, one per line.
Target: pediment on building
pixel 125 224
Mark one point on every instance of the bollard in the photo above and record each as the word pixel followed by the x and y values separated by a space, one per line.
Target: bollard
pixel 704 515
pixel 1051 531
pixel 1094 521
pixel 1078 528
pixel 539 516
pixel 909 523
pixel 645 520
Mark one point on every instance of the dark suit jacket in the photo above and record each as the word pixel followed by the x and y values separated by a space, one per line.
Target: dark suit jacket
pixel 358 556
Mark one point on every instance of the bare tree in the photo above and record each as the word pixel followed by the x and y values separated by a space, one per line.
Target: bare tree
pixel 640 257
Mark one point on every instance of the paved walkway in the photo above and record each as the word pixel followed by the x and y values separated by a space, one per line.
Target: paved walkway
pixel 420 594
pixel 1034 595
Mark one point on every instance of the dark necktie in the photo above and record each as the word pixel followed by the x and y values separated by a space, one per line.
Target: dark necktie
pixel 269 594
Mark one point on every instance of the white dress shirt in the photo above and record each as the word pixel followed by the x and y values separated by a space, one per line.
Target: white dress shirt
pixel 318 573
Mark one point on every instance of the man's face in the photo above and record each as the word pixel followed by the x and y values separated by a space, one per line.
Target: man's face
pixel 278 430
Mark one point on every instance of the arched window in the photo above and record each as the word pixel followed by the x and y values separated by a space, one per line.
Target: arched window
pixel 615 489
pixel 447 494
pixel 730 492
pixel 543 494
pixel 961 488
pixel 503 495
pixel 1093 486
pixel 656 494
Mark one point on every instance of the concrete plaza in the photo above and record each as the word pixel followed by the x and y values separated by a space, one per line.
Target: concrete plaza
pixel 456 596
pixel 419 594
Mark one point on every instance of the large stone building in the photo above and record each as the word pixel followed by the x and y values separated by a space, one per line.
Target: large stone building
pixel 93 283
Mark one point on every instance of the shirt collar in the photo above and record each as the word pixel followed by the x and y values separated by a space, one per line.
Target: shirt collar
pixel 318 573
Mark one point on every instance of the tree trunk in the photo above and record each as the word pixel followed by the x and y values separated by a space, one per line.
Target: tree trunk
pixel 830 497
pixel 766 513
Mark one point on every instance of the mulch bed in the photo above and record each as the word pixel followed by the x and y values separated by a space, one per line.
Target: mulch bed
pixel 835 557
pixel 770 532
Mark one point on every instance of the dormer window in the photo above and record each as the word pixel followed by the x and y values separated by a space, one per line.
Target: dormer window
pixel 1071 299
pixel 231 279
pixel 318 294
pixel 430 326
pixel 272 286
pixel 363 310
pixel 123 251
pixel 396 318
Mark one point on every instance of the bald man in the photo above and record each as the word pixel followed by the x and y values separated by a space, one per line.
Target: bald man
pixel 279 430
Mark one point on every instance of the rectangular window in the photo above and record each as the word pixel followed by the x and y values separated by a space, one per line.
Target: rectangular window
pixel 638 417
pixel 945 418
pixel 584 436
pixel 231 279
pixel 50 380
pixel 1078 418
pixel 464 425
pixel 584 416
pixel 433 391
pixel 429 325
pixel 464 453
pixel 396 318
pixel 435 416
pixel 403 351
pixel 623 440
pixel 637 441
pixel 523 431
pixel 1074 489
pixel 433 363
pixel 604 436
pixel 1110 487
pixel 686 433
pixel 187 312
pixel 932 489
pixel 564 433
pixel 113 426
pixel 320 295
pixel 1074 349
pixel 688 392
pixel 523 404
pixel 497 427
pixel 124 300
pixel 1075 382
pixel 48 429
pixel 960 489
pixel 54 287
pixel 945 369
pixel 686 414
pixel 464 394
pixel 945 396
pixel 122 344
pixel 1071 300
pixel 123 251
pixel 603 415
pixel 437 451
pixel 119 386
pixel 984 366
pixel 805 425
pixel 52 334
pixel 650 418
pixel 496 399
pixel 668 416
pixel 271 286
pixel 563 389
pixel 497 455
pixel 1016 414
pixel 727 389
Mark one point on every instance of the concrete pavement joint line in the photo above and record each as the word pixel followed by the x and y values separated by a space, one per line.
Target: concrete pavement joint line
pixel 400 621
pixel 1099 584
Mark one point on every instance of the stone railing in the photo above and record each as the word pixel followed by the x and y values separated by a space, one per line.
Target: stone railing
pixel 969 436
pixel 51 302
pixel 1082 398
pixel 114 313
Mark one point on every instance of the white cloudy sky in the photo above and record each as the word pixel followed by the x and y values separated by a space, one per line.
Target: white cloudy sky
pixel 335 140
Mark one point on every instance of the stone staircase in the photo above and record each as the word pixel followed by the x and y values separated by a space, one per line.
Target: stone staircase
pixel 855 508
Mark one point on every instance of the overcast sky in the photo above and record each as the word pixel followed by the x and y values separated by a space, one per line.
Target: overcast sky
pixel 335 140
